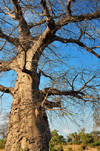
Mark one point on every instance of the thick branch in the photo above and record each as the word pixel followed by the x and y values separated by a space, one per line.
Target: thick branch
pixel 17 9
pixel 37 23
pixel 49 20
pixel 43 21
pixel 52 91
pixel 9 90
pixel 76 94
pixel 14 41
pixel 7 66
pixel 69 7
pixel 24 30
pixel 50 105
pixel 67 19
pixel 77 42
pixel 45 9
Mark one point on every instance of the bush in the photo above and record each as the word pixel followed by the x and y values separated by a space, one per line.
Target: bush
pixel 87 138
pixel 60 148
pixel 96 143
pixel 69 149
pixel 2 144
pixel 70 143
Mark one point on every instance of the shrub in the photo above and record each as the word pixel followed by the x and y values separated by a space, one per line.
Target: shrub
pixel 51 147
pixel 96 143
pixel 87 138
pixel 60 148
pixel 2 144
pixel 69 149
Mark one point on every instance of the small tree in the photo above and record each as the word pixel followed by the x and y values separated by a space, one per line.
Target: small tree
pixel 3 130
pixel 87 138
pixel 56 138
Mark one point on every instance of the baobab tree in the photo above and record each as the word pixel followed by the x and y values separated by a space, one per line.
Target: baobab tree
pixel 30 33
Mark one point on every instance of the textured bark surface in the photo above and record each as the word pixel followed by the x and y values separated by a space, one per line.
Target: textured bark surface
pixel 28 127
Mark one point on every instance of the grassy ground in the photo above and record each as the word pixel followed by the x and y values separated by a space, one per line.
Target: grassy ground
pixel 76 147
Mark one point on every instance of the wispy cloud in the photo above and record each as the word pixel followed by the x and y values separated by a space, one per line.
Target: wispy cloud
pixel 66 131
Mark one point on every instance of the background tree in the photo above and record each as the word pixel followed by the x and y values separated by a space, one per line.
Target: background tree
pixel 31 32
pixel 3 130
pixel 4 125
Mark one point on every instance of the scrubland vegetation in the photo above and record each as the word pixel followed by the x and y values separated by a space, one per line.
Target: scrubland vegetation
pixel 82 140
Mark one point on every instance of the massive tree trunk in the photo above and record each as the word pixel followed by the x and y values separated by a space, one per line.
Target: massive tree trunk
pixel 28 125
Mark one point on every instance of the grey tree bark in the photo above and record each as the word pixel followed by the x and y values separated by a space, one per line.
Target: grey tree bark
pixel 28 127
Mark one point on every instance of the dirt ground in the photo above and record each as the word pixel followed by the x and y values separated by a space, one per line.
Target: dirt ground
pixel 76 147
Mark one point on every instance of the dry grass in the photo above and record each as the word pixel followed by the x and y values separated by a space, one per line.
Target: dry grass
pixel 76 147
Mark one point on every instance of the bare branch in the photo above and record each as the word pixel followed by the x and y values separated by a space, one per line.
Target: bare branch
pixel 14 41
pixel 43 21
pixel 77 42
pixel 52 91
pixel 49 20
pixel 95 47
pixel 45 9
pixel 69 12
pixel 46 75
pixel 17 9
pixel 9 90
pixel 87 83
pixel 7 66
pixel 49 105
pixel 24 30
pixel 3 45
pixel 71 19
pixel 37 23
pixel 76 94
pixel 8 13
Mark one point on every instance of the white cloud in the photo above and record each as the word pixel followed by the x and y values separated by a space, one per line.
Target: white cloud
pixel 66 131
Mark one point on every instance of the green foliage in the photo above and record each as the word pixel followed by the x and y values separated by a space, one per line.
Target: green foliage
pixel 60 148
pixel 22 149
pixel 75 137
pixel 56 140
pixel 87 138
pixel 69 149
pixel 54 148
pixel 96 143
pixel 2 144
pixel 69 139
